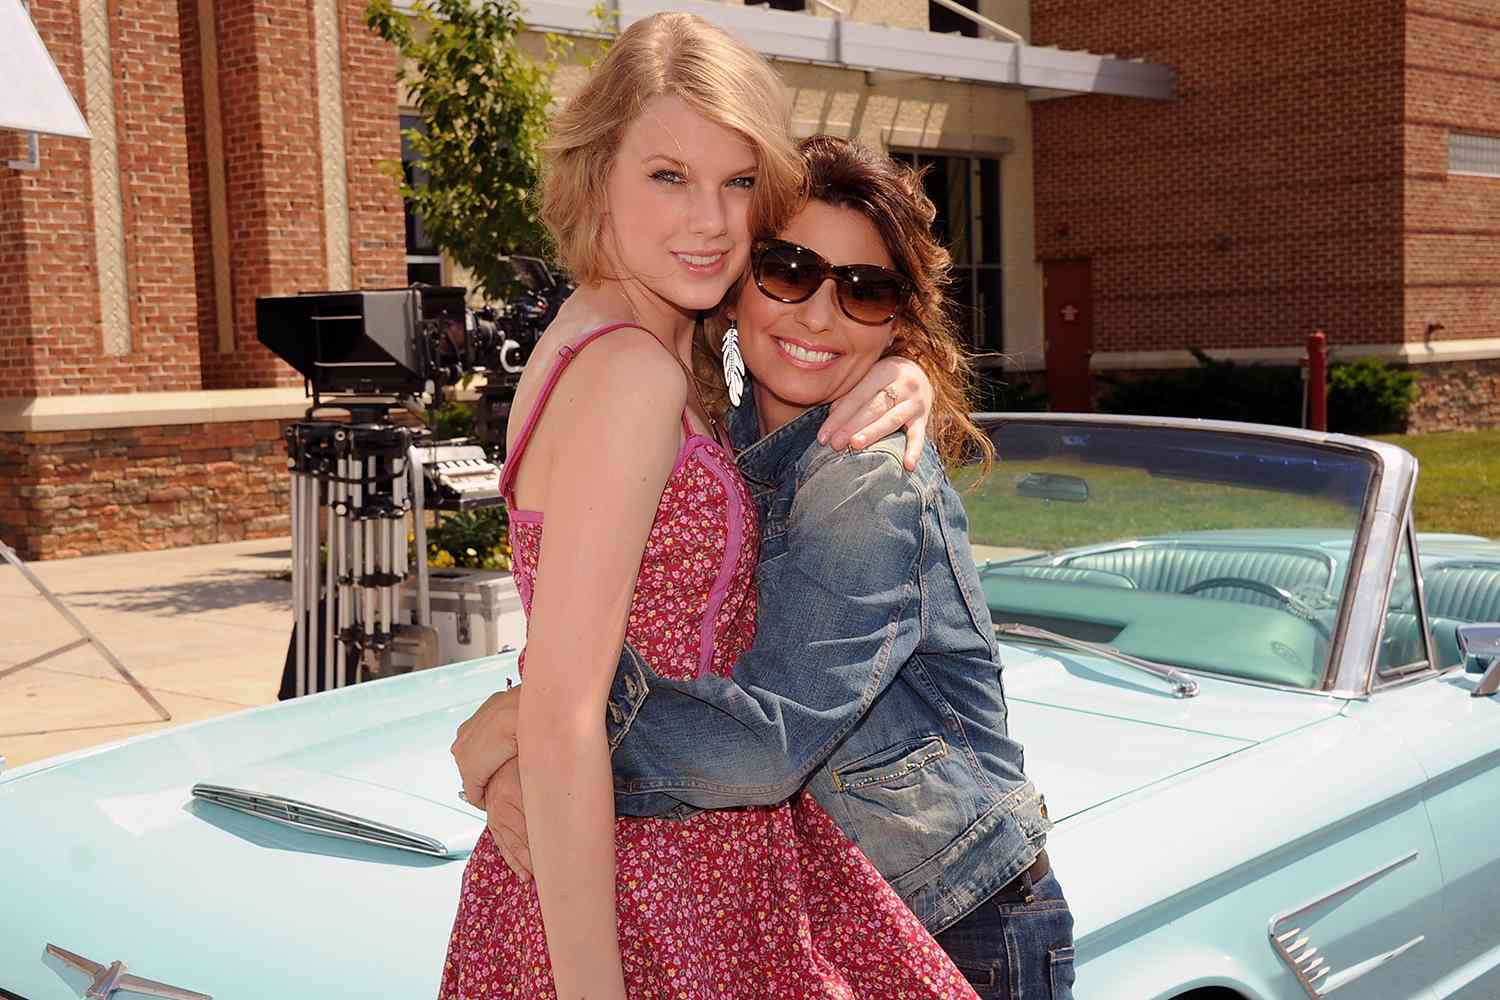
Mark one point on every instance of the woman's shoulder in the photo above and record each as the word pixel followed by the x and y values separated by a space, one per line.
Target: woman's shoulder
pixel 613 350
pixel 884 459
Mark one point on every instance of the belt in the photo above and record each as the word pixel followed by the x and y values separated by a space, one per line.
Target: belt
pixel 1022 888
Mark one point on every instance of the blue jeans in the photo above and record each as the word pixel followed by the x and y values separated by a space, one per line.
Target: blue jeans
pixel 1010 949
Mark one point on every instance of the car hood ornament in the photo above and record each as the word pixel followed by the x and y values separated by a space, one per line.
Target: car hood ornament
pixel 112 977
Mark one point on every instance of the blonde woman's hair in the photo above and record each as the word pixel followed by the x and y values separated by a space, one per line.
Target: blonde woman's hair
pixel 715 75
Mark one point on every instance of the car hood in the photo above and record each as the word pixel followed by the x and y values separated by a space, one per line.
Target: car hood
pixel 1095 730
pixel 109 854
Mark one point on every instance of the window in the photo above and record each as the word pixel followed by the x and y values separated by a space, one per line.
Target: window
pixel 942 19
pixel 1403 642
pixel 1474 154
pixel 966 191
pixel 424 262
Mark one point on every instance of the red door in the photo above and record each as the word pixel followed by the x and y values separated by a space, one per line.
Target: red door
pixel 1068 301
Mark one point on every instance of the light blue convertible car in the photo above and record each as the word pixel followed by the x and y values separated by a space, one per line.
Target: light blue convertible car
pixel 1259 706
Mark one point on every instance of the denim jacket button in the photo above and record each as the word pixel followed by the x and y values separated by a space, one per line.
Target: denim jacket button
pixel 615 713
pixel 631 687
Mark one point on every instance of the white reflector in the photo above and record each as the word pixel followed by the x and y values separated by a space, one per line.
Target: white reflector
pixel 33 97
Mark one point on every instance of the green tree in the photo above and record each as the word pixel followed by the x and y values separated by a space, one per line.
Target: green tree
pixel 483 103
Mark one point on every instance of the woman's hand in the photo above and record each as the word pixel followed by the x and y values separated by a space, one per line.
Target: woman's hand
pixel 894 393
pixel 485 742
pixel 505 815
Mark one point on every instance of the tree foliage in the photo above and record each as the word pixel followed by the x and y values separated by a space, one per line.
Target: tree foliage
pixel 483 103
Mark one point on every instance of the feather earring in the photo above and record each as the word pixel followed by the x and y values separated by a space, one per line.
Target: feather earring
pixel 734 366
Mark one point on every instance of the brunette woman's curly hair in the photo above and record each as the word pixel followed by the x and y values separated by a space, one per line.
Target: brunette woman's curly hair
pixel 848 174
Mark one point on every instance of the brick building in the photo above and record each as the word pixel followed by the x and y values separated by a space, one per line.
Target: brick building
pixel 1240 174
pixel 1330 165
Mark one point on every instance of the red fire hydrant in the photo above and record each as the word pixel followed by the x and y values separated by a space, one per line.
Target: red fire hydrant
pixel 1317 381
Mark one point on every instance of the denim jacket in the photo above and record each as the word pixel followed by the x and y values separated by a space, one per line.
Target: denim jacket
pixel 873 680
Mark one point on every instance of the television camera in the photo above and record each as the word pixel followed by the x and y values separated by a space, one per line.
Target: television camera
pixel 379 356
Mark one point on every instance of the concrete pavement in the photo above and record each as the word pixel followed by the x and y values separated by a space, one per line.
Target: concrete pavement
pixel 204 628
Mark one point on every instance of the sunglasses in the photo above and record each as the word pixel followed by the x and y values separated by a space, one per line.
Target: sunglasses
pixel 790 273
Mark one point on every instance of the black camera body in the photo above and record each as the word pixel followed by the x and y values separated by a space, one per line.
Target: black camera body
pixel 404 343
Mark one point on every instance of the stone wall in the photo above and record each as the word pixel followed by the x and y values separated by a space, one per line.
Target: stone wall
pixel 87 492
pixel 1457 396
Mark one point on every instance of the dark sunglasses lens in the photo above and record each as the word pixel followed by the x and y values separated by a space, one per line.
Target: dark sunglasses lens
pixel 872 294
pixel 788 272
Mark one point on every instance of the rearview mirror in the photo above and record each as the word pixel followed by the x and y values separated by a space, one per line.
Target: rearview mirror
pixel 1481 643
pixel 1050 486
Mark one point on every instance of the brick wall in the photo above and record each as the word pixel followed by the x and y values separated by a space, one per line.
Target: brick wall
pixel 49 301
pixel 1452 222
pixel 71 493
pixel 51 336
pixel 153 157
pixel 377 228
pixel 195 139
pixel 1264 202
pixel 267 88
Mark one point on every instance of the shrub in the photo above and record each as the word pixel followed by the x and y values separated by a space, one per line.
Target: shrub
pixel 1216 390
pixel 1370 397
pixel 474 539
pixel 997 392
pixel 454 419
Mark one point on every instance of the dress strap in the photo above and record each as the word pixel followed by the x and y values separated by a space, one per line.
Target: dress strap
pixel 565 354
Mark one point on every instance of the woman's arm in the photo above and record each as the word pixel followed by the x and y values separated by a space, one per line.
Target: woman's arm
pixel 834 632
pixel 602 473
pixel 895 394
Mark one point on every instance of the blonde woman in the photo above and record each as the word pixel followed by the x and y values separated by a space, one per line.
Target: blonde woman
pixel 674 154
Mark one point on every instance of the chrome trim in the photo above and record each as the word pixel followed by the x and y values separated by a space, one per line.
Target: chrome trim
pixel 113 977
pixel 1183 686
pixel 1312 971
pixel 318 819
pixel 1396 675
pixel 1487 637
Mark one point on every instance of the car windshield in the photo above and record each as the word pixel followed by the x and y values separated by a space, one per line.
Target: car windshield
pixel 1199 548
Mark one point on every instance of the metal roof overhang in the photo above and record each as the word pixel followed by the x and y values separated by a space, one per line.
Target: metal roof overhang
pixel 854 45
pixel 33 96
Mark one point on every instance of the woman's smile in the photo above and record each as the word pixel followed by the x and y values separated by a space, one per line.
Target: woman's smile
pixel 804 355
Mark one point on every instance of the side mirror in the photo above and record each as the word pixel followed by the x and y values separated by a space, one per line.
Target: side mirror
pixel 1482 643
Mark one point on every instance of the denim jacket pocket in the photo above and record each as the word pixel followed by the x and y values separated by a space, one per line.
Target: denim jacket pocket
pixel 889 764
pixel 908 802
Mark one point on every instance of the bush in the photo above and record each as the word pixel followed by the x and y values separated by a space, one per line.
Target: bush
pixel 1215 390
pixel 454 419
pixel 1015 393
pixel 473 539
pixel 1370 397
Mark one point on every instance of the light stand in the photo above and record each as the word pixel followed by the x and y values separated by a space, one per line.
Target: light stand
pixel 88 637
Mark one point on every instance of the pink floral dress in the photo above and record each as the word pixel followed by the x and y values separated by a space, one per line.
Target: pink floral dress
pixel 755 902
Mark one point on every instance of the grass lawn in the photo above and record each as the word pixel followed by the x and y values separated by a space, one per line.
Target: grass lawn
pixel 1458 487
pixel 1458 490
